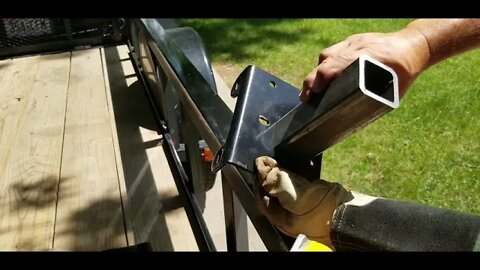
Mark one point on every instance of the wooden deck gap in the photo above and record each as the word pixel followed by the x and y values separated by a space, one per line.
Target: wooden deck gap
pixel 61 154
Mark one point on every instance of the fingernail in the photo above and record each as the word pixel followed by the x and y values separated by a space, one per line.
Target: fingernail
pixel 304 96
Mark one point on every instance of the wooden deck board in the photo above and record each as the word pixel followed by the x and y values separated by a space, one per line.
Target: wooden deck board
pixel 116 146
pixel 32 171
pixel 78 139
pixel 16 220
pixel 89 213
pixel 151 197
pixel 171 205
pixel 15 85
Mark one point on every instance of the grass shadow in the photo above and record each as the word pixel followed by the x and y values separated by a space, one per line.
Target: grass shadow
pixel 99 225
pixel 286 48
pixel 225 39
pixel 38 194
pixel 30 208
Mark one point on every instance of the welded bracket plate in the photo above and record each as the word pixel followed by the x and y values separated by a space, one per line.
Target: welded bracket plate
pixel 270 120
pixel 262 99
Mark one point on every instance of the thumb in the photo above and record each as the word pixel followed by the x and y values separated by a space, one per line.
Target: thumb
pixel 271 208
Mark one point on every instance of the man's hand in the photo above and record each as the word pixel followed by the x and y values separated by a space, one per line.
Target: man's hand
pixel 406 52
pixel 295 205
pixel 409 51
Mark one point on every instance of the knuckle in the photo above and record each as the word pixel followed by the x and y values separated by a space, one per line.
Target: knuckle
pixel 308 82
pixel 325 53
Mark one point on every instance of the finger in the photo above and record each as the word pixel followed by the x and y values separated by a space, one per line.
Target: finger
pixel 283 185
pixel 319 78
pixel 307 85
pixel 264 165
pixel 332 50
pixel 291 191
pixel 269 161
pixel 269 206
pixel 284 190
pixel 272 180
pixel 325 73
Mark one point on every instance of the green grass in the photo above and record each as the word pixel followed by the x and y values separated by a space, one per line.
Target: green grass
pixel 427 151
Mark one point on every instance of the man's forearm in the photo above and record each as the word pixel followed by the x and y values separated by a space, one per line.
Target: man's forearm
pixel 378 224
pixel 447 37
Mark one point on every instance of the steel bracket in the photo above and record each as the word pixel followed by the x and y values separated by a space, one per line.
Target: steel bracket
pixel 270 120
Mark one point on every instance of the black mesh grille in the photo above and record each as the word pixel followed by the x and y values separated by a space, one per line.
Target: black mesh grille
pixel 26 31
pixel 33 35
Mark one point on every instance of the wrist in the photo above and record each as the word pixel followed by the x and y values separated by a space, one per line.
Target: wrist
pixel 447 37
pixel 418 55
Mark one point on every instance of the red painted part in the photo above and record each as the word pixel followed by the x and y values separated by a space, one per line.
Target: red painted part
pixel 207 154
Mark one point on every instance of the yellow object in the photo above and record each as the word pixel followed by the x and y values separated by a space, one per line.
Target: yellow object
pixel 315 246
pixel 302 243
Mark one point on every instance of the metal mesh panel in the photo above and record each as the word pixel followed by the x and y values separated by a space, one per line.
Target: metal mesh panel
pixel 29 31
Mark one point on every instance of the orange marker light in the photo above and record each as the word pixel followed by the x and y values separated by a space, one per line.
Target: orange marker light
pixel 207 154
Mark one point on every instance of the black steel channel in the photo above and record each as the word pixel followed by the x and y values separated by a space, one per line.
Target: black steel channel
pixel 345 107
pixel 235 219
pixel 194 158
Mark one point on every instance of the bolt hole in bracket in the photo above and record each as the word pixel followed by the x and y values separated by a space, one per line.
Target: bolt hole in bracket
pixel 270 120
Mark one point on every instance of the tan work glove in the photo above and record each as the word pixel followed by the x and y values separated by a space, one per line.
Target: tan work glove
pixel 295 205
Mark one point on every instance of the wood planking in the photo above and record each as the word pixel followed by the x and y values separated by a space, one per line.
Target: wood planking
pixel 150 188
pixel 4 66
pixel 16 82
pixel 32 170
pixel 141 199
pixel 171 204
pixel 89 212
pixel 118 156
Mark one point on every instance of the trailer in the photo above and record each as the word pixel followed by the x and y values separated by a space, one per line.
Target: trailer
pixel 118 134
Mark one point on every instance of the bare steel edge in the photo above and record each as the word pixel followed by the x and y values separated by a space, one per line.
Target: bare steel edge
pixel 361 70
